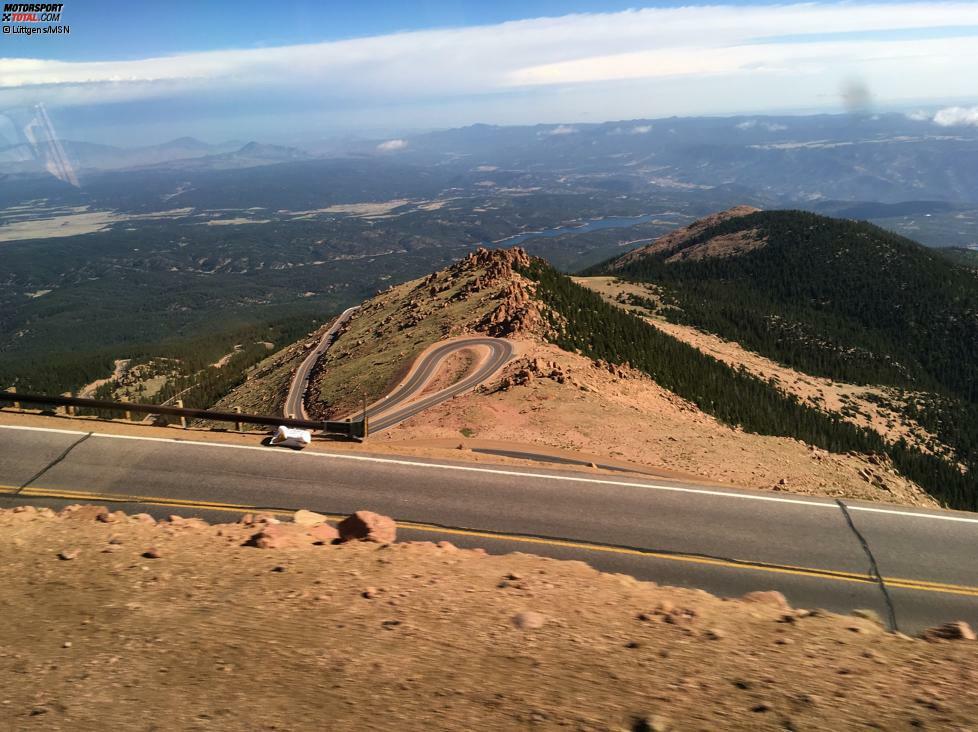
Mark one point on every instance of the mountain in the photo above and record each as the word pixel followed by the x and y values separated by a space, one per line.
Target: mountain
pixel 804 159
pixel 593 379
pixel 838 299
pixel 20 159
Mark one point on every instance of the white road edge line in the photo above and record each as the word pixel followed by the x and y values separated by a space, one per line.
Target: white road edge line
pixel 513 473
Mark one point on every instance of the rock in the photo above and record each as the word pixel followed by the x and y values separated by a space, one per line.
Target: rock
pixel 152 553
pixel 959 630
pixel 767 597
pixel 111 518
pixel 368 526
pixel 292 536
pixel 323 534
pixel 188 523
pixel 143 518
pixel 529 620
pixel 370 593
pixel 68 554
pixel 308 518
pixel 82 513
pixel 447 546
pixel 276 536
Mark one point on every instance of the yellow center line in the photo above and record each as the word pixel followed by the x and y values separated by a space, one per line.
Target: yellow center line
pixel 826 574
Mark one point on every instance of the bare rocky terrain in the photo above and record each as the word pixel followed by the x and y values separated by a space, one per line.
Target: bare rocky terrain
pixel 119 622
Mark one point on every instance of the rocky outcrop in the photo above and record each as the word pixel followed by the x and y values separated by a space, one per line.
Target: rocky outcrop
pixel 497 264
pixel 517 313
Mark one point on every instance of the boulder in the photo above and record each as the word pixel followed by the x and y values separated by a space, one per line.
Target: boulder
pixel 772 598
pixel 308 518
pixel 293 536
pixel 951 631
pixel 368 526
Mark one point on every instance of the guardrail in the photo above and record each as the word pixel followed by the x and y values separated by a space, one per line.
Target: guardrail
pixel 358 428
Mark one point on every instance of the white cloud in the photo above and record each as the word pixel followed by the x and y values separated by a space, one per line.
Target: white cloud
pixel 561 130
pixel 750 124
pixel 698 57
pixel 392 145
pixel 955 116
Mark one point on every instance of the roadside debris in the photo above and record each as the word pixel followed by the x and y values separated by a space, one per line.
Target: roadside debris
pixel 289 437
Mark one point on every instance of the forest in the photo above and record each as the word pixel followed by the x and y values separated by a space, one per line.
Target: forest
pixel 841 299
pixel 581 321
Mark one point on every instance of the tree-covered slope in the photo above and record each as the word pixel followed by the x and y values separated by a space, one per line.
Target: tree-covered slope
pixel 582 321
pixel 835 298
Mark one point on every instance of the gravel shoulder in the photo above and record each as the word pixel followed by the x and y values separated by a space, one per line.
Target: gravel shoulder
pixel 119 623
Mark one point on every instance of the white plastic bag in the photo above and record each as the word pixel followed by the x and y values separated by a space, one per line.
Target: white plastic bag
pixel 289 437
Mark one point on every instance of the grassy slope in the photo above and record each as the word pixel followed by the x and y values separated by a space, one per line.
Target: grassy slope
pixel 389 332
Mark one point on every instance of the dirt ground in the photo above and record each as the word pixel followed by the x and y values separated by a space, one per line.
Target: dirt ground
pixel 178 626
pixel 568 406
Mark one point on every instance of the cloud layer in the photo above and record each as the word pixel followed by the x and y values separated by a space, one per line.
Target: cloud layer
pixel 688 59
pixel 953 116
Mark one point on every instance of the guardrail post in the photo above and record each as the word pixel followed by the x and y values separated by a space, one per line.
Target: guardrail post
pixel 70 410
pixel 183 420
pixel 13 390
pixel 237 425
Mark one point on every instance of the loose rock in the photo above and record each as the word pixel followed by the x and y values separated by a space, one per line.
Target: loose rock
pixel 529 620
pixel 768 597
pixel 308 518
pixel 959 630
pixel 368 526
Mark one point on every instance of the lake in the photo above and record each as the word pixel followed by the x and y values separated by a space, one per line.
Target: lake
pixel 609 222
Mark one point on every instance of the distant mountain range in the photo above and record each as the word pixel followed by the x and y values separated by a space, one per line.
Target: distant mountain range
pixel 886 157
pixel 184 152
pixel 837 161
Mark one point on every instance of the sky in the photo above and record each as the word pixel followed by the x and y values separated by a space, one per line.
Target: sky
pixel 147 71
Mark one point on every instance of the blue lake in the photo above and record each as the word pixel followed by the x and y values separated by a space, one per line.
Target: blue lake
pixel 610 222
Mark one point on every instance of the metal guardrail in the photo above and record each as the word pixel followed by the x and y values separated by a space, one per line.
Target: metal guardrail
pixel 358 428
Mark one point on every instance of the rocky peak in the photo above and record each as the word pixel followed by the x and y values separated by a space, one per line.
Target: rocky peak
pixel 675 241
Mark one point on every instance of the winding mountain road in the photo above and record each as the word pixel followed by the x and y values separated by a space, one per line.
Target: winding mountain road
pixel 295 400
pixel 819 552
pixel 405 400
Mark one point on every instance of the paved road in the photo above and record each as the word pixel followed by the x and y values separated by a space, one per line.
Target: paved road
pixel 728 542
pixel 295 399
pixel 403 401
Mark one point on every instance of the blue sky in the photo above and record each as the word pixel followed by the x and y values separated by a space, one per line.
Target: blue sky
pixel 148 71
pixel 120 29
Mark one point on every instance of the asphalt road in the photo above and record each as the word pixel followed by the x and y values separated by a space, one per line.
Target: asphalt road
pixel 295 399
pixel 402 402
pixel 724 541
